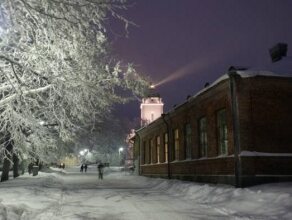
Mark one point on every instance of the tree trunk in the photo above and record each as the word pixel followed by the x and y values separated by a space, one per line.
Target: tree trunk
pixel 6 163
pixel 15 165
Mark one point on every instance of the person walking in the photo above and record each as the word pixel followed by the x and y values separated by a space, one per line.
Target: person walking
pixel 85 168
pixel 81 168
pixel 30 166
pixel 100 167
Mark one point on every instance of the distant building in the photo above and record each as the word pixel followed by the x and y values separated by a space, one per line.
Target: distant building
pixel 236 131
pixel 151 109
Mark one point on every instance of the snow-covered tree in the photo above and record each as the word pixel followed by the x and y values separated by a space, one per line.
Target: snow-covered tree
pixel 56 74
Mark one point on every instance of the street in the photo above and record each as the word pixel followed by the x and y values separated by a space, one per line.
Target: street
pixel 74 195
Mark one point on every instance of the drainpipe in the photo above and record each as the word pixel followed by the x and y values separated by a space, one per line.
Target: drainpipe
pixel 235 123
pixel 139 153
pixel 168 145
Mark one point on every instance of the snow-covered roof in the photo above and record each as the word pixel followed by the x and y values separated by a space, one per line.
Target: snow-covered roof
pixel 244 74
pixel 279 69
pixel 253 73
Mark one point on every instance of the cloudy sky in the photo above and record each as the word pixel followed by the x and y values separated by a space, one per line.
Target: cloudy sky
pixel 186 43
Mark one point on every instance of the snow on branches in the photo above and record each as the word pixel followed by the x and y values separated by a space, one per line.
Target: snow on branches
pixel 56 74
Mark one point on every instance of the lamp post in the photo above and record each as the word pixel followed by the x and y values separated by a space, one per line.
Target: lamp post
pixel 121 149
pixel 83 154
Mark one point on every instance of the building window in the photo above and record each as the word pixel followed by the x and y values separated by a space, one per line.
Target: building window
pixel 144 152
pixel 176 144
pixel 188 141
pixel 150 151
pixel 158 149
pixel 203 141
pixel 166 147
pixel 222 132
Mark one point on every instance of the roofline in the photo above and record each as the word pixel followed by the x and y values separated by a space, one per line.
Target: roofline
pixel 223 78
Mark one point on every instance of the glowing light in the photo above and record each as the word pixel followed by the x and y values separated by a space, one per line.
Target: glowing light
pixel 152 86
pixel 195 66
pixel 187 69
pixel 83 152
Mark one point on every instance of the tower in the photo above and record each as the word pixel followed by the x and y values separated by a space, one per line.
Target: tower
pixel 151 107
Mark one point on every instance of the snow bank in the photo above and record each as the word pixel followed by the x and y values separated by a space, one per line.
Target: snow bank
pixel 273 201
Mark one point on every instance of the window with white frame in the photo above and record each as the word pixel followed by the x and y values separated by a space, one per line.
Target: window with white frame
pixel 150 151
pixel 188 141
pixel 165 147
pixel 176 144
pixel 222 132
pixel 203 139
pixel 144 152
pixel 158 149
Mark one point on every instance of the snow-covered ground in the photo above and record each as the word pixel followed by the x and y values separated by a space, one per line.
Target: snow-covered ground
pixel 73 195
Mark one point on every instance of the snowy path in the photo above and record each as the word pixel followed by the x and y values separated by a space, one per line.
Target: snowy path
pixel 123 199
pixel 77 195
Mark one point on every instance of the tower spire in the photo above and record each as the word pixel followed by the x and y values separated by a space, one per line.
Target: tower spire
pixel 151 106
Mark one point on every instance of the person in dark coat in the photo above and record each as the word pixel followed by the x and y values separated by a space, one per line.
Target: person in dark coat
pixel 85 168
pixel 100 167
pixel 81 168
pixel 30 166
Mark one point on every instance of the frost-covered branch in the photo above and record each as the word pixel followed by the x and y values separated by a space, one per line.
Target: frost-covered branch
pixel 56 73
pixel 32 91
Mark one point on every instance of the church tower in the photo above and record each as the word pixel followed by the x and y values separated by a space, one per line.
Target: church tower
pixel 151 107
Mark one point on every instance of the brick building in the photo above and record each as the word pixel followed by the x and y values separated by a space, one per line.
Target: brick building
pixel 237 131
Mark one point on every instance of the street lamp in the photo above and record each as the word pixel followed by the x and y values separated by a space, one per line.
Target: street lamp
pixel 82 152
pixel 120 151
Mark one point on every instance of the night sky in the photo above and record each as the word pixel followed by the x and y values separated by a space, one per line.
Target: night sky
pixel 202 37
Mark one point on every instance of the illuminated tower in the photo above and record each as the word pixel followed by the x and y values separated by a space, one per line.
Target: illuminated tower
pixel 151 107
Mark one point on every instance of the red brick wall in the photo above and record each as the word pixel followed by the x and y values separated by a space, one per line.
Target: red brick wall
pixel 206 104
pixel 154 169
pixel 266 165
pixel 216 166
pixel 265 121
pixel 265 114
